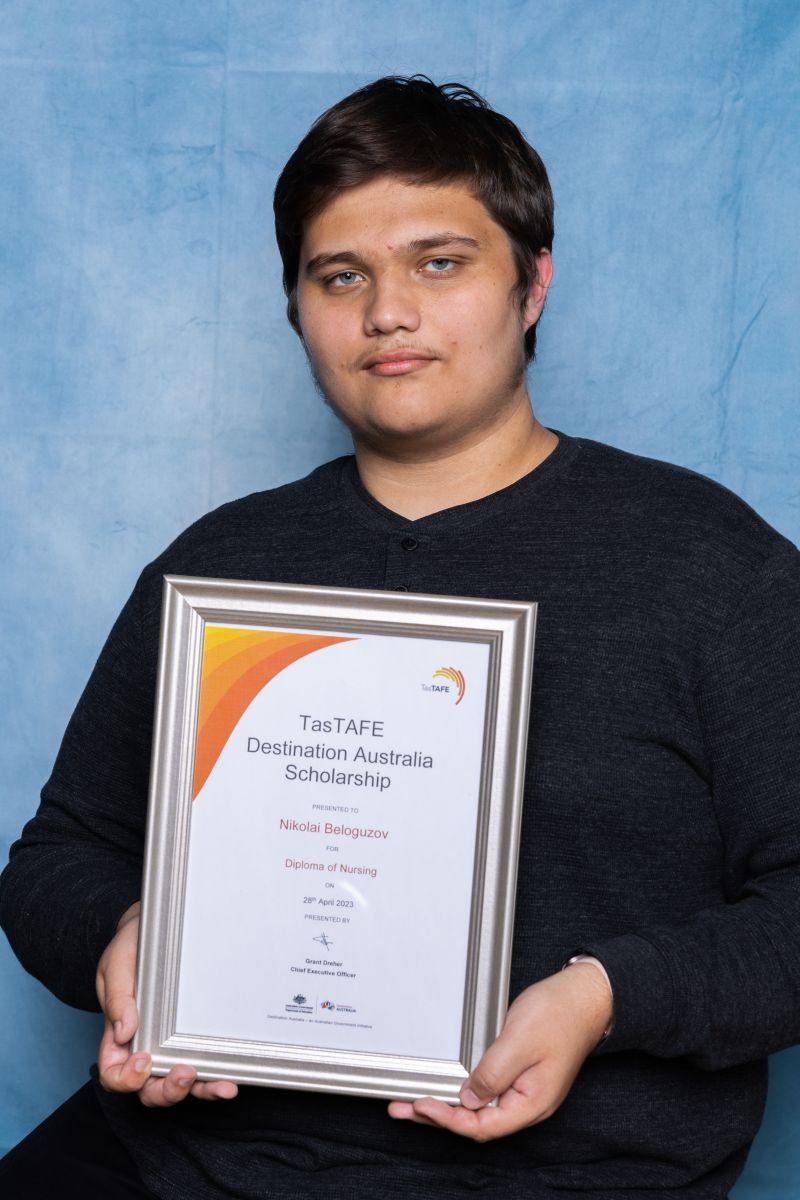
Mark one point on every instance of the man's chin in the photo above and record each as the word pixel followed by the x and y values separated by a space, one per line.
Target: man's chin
pixel 393 432
pixel 408 441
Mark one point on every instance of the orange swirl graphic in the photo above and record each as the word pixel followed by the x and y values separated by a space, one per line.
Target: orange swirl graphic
pixel 455 676
pixel 237 664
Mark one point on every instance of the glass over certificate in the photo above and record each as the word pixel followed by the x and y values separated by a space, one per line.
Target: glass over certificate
pixel 332 835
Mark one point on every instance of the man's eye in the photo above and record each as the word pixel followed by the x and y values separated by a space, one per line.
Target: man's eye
pixel 343 279
pixel 440 266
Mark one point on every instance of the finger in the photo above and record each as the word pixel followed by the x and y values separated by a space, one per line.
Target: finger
pixel 115 985
pixel 481 1126
pixel 110 1056
pixel 445 1116
pixel 127 1023
pixel 181 1082
pixel 119 1006
pixel 403 1110
pixel 216 1089
pixel 171 1089
pixel 118 1070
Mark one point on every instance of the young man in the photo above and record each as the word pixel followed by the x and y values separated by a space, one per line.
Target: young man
pixel 661 833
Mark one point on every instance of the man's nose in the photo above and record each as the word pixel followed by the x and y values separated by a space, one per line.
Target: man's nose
pixel 391 304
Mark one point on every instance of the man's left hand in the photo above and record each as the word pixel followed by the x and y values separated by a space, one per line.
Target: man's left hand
pixel 549 1031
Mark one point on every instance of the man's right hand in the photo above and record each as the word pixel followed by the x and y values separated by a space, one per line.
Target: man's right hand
pixel 121 1071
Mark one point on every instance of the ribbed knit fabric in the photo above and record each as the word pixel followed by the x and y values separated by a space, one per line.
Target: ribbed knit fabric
pixel 661 828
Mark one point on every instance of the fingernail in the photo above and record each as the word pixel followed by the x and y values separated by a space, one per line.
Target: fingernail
pixel 118 1031
pixel 469 1099
pixel 185 1080
pixel 140 1062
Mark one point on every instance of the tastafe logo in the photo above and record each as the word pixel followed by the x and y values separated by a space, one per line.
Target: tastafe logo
pixel 455 676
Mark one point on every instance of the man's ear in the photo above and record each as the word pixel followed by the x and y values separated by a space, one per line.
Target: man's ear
pixel 537 292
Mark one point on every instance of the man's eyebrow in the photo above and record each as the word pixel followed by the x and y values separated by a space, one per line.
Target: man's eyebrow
pixel 435 241
pixel 337 256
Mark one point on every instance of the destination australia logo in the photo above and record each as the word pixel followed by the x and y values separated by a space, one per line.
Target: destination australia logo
pixel 455 686
pixel 329 1006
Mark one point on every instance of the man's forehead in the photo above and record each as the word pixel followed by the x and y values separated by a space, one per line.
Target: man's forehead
pixel 391 214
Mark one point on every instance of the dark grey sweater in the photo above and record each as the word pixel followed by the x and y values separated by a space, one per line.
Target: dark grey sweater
pixel 661 826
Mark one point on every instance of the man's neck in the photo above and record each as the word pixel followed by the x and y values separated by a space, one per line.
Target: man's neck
pixel 416 487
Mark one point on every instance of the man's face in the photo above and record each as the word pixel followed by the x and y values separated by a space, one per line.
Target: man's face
pixel 409 312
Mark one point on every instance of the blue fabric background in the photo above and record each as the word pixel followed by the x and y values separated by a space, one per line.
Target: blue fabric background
pixel 147 372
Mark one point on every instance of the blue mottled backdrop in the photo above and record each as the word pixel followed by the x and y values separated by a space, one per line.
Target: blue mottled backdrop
pixel 147 372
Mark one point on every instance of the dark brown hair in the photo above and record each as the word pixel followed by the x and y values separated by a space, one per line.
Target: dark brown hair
pixel 422 133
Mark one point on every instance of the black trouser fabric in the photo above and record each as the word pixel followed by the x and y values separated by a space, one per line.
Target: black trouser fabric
pixel 73 1155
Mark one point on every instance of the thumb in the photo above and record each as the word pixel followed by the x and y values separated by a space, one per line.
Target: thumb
pixel 117 998
pixel 116 976
pixel 503 1062
pixel 122 1014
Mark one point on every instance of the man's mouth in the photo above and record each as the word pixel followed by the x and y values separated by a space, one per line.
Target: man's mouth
pixel 397 362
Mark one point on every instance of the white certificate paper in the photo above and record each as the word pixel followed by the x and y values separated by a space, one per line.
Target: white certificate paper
pixel 332 839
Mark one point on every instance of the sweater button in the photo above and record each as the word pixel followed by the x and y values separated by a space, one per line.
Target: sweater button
pixel 401 588
pixel 409 543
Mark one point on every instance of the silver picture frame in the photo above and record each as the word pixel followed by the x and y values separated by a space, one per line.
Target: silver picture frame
pixel 507 628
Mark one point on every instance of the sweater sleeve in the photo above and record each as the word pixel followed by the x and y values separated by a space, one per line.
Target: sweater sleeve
pixel 77 866
pixel 724 986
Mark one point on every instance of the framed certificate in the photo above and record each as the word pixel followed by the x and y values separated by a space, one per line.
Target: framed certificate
pixel 332 839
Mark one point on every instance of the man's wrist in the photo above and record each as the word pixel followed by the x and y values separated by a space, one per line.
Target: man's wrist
pixel 595 962
pixel 129 914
